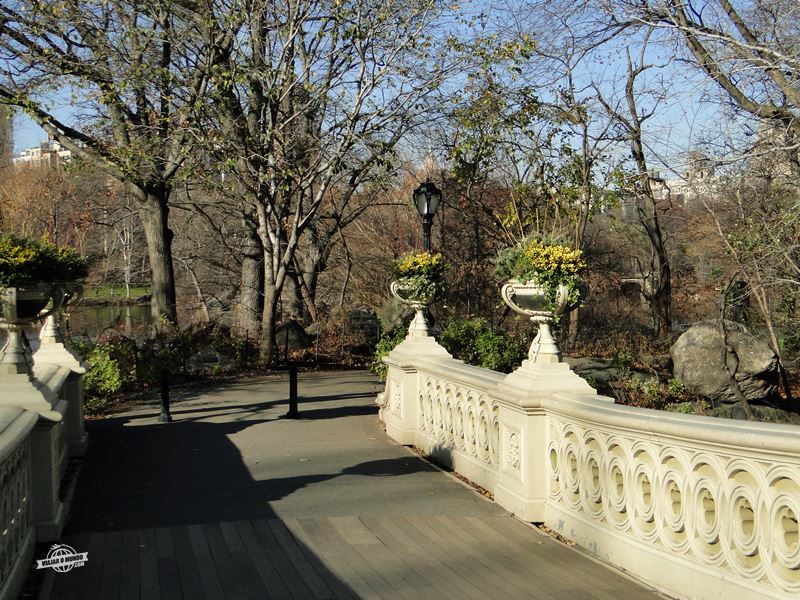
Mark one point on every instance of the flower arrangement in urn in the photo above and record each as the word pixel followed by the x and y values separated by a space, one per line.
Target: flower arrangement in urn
pixel 34 271
pixel 544 282
pixel 26 261
pixel 419 277
pixel 555 268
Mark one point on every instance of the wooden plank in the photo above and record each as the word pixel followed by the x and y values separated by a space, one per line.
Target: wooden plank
pixel 524 554
pixel 372 556
pixel 421 574
pixel 129 579
pixel 456 573
pixel 148 566
pixel 242 562
pixel 191 582
pixel 311 578
pixel 70 585
pixel 331 559
pixel 483 559
pixel 263 565
pixel 93 577
pixel 399 572
pixel 168 577
pixel 561 569
pixel 231 583
pixel 453 577
pixel 112 561
pixel 478 573
pixel 348 567
pixel 352 530
pixel 305 543
pixel 288 574
pixel 232 539
pixel 164 548
pixel 212 587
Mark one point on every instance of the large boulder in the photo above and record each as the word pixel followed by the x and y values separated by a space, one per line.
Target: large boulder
pixel 697 362
pixel 597 371
pixel 209 360
pixel 291 335
pixel 364 325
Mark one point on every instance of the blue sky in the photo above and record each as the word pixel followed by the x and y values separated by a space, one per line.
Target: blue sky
pixel 682 117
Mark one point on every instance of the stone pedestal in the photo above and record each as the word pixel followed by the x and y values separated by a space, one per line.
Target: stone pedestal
pixel 49 459
pixel 52 351
pixel 399 400
pixel 521 483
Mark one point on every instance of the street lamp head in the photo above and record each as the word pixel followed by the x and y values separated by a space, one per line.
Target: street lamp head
pixel 427 198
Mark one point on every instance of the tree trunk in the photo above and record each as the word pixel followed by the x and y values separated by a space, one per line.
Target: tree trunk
pixel 251 296
pixel 154 214
pixel 294 307
pixel 266 346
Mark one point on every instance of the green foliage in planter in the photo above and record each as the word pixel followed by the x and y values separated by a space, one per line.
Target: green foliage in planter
pixel 387 343
pixel 422 274
pixel 547 264
pixel 474 342
pixel 24 261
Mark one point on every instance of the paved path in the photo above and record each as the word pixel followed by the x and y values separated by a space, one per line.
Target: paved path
pixel 229 501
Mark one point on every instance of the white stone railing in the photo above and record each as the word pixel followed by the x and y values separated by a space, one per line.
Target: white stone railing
pixel 699 507
pixel 44 391
pixel 17 532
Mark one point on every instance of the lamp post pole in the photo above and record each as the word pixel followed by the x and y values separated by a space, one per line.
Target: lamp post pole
pixel 427 223
pixel 426 200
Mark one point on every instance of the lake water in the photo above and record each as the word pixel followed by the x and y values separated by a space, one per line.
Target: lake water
pixel 92 320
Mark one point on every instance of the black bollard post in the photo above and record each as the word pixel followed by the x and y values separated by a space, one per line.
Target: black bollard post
pixel 293 413
pixel 163 381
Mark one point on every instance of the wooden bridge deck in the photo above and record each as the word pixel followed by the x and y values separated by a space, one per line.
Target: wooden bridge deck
pixel 229 501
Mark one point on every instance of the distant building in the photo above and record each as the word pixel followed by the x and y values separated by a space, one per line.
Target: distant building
pixel 47 154
pixel 699 180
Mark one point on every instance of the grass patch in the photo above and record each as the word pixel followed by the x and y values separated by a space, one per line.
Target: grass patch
pixel 106 292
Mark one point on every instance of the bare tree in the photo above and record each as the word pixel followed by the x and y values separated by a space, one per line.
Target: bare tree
pixel 314 98
pixel 749 49
pixel 630 116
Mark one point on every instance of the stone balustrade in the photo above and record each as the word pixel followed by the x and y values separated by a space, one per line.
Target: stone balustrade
pixel 17 532
pixel 697 506
pixel 41 428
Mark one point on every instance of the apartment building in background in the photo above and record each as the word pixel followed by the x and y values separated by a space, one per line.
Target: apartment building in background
pixel 47 154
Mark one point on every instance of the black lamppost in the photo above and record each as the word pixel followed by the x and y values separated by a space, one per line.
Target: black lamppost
pixel 427 198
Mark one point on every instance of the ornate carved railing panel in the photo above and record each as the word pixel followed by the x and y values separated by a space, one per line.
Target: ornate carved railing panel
pixel 15 507
pixel 17 536
pixel 461 418
pixel 729 509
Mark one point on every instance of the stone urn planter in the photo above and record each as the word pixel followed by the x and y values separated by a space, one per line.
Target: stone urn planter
pixel 405 293
pixel 419 282
pixel 543 283
pixel 18 306
pixel 532 300
pixel 34 279
pixel 51 332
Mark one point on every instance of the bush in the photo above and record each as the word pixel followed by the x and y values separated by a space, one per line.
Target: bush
pixel 111 365
pixel 474 342
pixel 159 354
pixel 389 340
pixel 103 377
